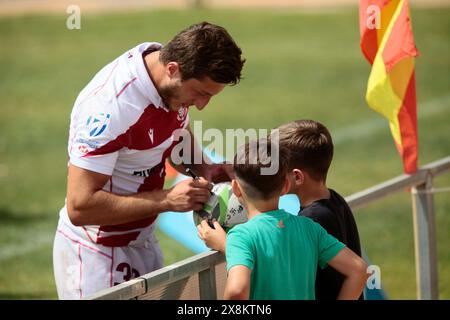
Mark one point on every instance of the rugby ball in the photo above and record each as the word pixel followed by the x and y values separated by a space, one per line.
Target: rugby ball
pixel 223 206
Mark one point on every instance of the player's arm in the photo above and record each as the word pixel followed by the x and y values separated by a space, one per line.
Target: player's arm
pixel 215 172
pixel 238 283
pixel 88 204
pixel 354 269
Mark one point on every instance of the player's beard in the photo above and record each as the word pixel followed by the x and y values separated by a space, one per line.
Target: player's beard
pixel 169 95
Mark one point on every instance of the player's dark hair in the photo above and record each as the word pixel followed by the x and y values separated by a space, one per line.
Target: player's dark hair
pixel 205 49
pixel 310 147
pixel 249 162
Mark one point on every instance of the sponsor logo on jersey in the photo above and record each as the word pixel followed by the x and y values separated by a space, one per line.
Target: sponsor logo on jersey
pixel 96 124
pixel 182 113
pixel 150 134
pixel 90 144
pixel 83 149
pixel 147 172
pixel 142 173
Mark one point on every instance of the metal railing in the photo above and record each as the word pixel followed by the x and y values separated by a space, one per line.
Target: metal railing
pixel 203 275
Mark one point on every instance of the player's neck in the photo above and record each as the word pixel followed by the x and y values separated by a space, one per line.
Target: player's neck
pixel 312 191
pixel 257 207
pixel 155 68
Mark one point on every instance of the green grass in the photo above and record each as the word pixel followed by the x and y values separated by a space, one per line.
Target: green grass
pixel 298 66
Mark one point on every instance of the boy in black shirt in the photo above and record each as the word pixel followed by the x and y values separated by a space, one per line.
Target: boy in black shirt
pixel 311 152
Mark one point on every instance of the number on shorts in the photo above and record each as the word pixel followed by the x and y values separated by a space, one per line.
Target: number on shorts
pixel 128 272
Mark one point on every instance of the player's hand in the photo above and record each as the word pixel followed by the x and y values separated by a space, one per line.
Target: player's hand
pixel 189 195
pixel 219 172
pixel 214 238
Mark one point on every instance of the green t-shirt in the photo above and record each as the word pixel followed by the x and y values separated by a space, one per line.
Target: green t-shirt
pixel 283 252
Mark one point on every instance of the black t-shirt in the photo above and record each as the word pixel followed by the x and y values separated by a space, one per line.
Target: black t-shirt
pixel 335 216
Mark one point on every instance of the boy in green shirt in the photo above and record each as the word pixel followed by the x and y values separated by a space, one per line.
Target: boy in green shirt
pixel 275 254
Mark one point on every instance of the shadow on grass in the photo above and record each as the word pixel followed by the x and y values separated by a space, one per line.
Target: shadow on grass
pixel 8 216
pixel 27 296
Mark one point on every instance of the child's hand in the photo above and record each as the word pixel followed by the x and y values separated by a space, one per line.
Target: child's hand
pixel 213 238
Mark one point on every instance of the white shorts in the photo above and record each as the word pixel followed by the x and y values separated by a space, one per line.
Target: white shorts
pixel 83 268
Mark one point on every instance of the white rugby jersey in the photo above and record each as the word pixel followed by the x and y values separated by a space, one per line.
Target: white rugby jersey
pixel 120 127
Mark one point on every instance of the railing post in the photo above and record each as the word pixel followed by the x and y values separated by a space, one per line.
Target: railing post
pixel 207 284
pixel 425 241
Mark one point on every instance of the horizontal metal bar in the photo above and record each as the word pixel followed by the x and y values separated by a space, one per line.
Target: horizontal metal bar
pixel 183 269
pixel 386 188
pixel 399 183
pixel 438 167
pixel 124 291
pixel 174 272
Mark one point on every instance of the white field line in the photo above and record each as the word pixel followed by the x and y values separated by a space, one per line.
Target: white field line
pixel 36 240
pixel 378 122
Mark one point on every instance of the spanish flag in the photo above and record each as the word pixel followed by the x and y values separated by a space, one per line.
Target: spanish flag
pixel 387 43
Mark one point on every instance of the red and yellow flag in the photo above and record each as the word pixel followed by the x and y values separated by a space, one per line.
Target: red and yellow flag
pixel 387 43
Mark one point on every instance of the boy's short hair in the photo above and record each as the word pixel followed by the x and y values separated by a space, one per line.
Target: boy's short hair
pixel 310 147
pixel 249 161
